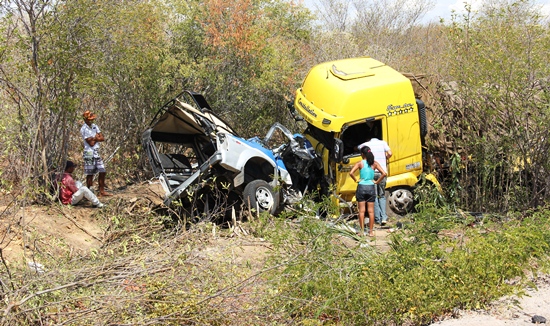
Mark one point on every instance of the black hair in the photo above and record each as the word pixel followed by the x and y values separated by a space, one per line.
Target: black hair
pixel 367 154
pixel 69 165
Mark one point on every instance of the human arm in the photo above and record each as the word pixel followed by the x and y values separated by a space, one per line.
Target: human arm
pixel 99 137
pixel 91 134
pixel 69 183
pixel 383 174
pixel 93 140
pixel 387 150
pixel 356 167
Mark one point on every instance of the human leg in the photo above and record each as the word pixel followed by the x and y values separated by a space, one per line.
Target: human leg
pixel 89 169
pixel 361 205
pixel 381 202
pixel 89 181
pixel 377 216
pixel 101 178
pixel 77 197
pixel 370 208
pixel 101 182
pixel 377 213
pixel 382 208
pixel 85 192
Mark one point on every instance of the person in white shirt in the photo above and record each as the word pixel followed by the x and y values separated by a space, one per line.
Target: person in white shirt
pixel 382 153
pixel 93 163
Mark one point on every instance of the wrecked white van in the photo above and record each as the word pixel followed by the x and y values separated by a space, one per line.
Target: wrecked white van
pixel 189 147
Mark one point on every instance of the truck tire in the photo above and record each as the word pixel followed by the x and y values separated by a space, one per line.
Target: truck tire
pixel 422 118
pixel 401 200
pixel 260 195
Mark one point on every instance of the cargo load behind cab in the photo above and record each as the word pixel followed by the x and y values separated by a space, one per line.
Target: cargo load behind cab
pixel 345 101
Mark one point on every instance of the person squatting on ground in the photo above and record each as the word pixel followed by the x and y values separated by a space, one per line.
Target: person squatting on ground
pixel 365 189
pixel 93 163
pixel 381 151
pixel 70 193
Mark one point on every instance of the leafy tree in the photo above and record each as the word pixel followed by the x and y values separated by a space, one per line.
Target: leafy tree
pixel 390 31
pixel 133 75
pixel 498 58
pixel 335 15
pixel 244 55
pixel 62 57
pixel 32 91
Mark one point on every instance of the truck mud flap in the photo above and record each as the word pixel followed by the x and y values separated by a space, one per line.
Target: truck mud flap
pixel 195 177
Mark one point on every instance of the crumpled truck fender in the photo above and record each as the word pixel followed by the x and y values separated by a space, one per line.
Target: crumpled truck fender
pixel 404 179
pixel 409 179
pixel 433 179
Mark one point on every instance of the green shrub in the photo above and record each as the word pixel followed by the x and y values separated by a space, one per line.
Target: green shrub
pixel 438 264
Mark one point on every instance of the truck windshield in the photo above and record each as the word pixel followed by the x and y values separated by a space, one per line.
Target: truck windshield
pixel 324 137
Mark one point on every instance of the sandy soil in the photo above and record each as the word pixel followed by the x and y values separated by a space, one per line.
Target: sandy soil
pixel 510 310
pixel 55 229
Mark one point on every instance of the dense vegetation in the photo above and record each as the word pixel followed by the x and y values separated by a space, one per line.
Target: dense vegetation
pixel 248 57
pixel 483 74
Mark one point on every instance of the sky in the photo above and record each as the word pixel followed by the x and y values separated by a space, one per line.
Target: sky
pixel 444 8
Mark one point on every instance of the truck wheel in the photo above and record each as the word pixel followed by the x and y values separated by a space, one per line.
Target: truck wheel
pixel 422 117
pixel 259 194
pixel 401 201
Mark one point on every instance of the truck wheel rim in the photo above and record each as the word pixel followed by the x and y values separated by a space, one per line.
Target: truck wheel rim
pixel 401 200
pixel 264 198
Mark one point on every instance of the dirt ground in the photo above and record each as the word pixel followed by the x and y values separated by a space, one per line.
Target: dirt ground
pixel 509 311
pixel 79 230
pixel 24 231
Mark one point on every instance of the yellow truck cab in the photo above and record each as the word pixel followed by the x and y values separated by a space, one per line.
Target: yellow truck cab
pixel 343 102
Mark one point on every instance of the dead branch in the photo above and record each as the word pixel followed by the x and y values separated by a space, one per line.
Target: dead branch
pixel 82 283
pixel 80 226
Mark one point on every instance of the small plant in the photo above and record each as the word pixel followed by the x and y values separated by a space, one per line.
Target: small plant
pixel 428 196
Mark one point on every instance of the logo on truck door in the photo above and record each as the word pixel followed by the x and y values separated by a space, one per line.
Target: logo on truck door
pixel 400 109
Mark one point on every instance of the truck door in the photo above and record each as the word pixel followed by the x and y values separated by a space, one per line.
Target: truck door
pixel 405 144
pixel 352 135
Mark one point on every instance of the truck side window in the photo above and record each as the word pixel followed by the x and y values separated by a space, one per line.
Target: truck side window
pixel 376 129
pixel 353 136
pixel 358 134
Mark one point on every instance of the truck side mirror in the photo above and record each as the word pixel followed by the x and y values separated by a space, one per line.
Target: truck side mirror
pixel 338 150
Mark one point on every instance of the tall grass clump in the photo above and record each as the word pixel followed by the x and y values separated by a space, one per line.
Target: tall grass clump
pixel 440 262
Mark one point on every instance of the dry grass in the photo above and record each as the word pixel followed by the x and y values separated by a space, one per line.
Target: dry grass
pixel 139 268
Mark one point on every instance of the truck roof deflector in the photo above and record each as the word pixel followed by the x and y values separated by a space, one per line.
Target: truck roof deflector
pixel 341 73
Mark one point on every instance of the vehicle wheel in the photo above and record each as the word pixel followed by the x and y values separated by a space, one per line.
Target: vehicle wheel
pixel 422 118
pixel 389 211
pixel 401 201
pixel 260 195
